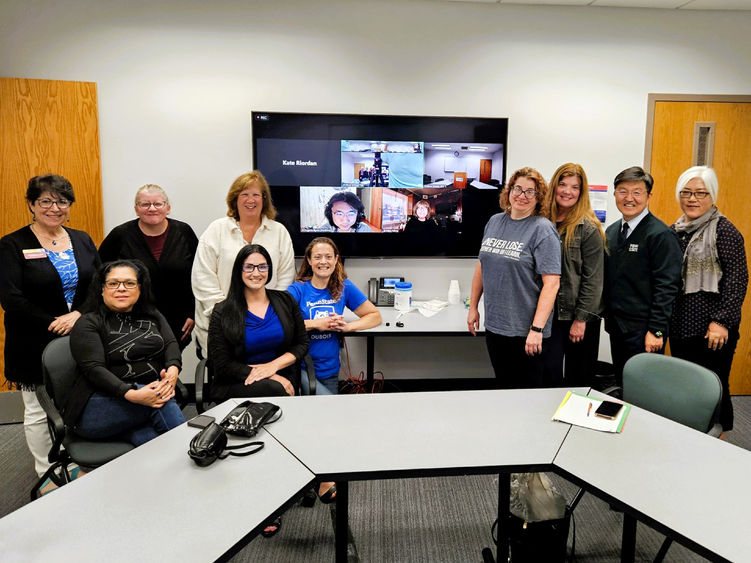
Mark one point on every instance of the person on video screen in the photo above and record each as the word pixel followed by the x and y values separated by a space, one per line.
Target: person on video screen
pixel 425 236
pixel 345 213
pixel 377 178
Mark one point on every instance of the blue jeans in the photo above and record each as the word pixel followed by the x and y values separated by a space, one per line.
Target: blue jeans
pixel 328 386
pixel 107 417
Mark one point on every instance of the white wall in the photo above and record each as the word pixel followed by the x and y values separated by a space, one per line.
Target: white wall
pixel 177 80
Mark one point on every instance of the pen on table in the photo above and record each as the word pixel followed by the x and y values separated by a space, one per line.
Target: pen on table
pixel 589 409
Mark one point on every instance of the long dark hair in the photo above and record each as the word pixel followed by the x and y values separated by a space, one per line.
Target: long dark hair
pixel 235 306
pixel 350 199
pixel 144 305
pixel 337 277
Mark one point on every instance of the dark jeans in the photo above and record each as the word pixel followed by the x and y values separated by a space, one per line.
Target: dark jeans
pixel 625 345
pixel 263 388
pixel 513 368
pixel 580 357
pixel 107 417
pixel 695 350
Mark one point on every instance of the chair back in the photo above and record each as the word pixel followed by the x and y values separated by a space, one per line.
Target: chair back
pixel 59 370
pixel 674 388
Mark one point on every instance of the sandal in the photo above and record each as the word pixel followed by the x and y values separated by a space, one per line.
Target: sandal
pixel 329 496
pixel 272 527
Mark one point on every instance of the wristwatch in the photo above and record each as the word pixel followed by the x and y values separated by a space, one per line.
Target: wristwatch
pixel 535 328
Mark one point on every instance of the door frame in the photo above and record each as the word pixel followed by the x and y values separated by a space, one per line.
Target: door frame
pixel 652 100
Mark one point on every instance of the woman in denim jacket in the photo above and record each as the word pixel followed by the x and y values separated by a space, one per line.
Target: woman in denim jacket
pixel 576 321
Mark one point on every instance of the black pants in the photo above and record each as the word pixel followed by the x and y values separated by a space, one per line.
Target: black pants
pixel 262 388
pixel 695 350
pixel 625 345
pixel 580 357
pixel 513 368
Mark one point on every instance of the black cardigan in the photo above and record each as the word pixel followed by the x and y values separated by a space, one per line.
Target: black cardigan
pixel 31 293
pixel 170 276
pixel 88 344
pixel 642 276
pixel 228 358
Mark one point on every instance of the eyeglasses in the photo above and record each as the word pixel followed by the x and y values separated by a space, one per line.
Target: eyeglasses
pixel 46 203
pixel 146 205
pixel 686 194
pixel 349 214
pixel 624 193
pixel 518 190
pixel 115 284
pixel 262 268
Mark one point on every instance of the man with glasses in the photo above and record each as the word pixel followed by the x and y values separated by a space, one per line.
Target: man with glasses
pixel 642 272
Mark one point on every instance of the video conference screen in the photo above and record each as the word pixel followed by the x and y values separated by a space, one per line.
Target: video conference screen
pixel 383 185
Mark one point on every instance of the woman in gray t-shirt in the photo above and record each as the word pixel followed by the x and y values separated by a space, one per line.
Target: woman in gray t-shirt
pixel 518 271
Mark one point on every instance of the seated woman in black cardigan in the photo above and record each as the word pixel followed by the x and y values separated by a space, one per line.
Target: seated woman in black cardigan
pixel 128 360
pixel 256 335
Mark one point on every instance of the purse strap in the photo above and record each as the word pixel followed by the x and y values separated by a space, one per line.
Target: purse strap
pixel 258 448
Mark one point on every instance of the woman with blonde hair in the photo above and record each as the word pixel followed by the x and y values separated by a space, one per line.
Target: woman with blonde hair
pixel 250 219
pixel 518 270
pixel 576 315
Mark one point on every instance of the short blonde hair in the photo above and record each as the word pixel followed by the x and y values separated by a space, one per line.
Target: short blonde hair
pixel 241 184
pixel 152 188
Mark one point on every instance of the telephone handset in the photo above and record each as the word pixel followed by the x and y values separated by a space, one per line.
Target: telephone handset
pixel 381 290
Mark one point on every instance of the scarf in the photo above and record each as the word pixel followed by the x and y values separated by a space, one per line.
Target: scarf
pixel 701 264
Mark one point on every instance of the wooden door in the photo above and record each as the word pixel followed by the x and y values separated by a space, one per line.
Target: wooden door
pixel 486 170
pixel 682 129
pixel 49 126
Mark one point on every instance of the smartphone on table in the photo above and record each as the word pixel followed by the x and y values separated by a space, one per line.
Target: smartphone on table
pixel 608 409
pixel 201 421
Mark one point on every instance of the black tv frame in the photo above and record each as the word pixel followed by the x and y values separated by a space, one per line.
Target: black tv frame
pixel 320 135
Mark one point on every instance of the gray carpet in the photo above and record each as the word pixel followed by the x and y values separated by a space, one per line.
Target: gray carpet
pixel 440 519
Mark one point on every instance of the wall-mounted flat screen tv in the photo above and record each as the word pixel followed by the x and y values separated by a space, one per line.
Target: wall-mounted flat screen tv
pixel 383 185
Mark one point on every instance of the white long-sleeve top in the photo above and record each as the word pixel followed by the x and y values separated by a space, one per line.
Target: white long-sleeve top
pixel 212 268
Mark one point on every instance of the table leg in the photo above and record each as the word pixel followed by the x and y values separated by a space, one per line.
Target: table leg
pixel 370 365
pixel 628 540
pixel 504 495
pixel 342 521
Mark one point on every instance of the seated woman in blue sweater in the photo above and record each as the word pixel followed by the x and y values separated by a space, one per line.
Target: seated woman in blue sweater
pixel 128 360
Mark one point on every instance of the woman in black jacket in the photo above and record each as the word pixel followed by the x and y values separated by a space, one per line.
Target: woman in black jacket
pixel 44 277
pixel 256 336
pixel 128 360
pixel 167 248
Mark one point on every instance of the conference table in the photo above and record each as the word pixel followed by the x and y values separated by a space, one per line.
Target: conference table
pixel 155 503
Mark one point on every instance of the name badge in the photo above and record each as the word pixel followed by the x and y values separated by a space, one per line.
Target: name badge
pixel 633 248
pixel 34 253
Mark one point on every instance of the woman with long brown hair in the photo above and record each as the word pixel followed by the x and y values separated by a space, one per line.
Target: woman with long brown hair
pixel 576 315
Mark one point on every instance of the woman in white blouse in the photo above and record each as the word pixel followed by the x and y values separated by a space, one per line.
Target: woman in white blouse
pixel 250 219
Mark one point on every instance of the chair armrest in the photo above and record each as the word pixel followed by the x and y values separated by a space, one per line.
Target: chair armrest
pixel 54 422
pixel 200 374
pixel 614 391
pixel 310 368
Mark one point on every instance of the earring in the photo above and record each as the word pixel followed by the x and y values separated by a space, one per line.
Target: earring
pixel 33 217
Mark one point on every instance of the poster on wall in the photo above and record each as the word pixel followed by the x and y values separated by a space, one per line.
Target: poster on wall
pixel 598 196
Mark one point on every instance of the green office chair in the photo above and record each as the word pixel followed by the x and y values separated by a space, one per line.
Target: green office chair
pixel 676 389
pixel 59 371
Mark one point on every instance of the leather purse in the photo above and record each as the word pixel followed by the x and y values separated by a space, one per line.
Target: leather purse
pixel 210 444
pixel 248 417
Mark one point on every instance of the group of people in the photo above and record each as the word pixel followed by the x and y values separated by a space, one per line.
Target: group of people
pixel 549 274
pixel 132 305
pixel 547 271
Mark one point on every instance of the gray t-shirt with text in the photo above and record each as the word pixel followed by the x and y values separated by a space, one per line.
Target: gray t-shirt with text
pixel 514 255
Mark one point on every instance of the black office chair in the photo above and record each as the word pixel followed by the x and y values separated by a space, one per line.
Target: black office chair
pixel 204 382
pixel 60 371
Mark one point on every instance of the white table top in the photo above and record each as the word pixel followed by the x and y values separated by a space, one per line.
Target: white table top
pixel 695 485
pixel 452 321
pixel 353 436
pixel 196 513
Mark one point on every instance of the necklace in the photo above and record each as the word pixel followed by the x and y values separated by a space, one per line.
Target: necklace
pixel 52 240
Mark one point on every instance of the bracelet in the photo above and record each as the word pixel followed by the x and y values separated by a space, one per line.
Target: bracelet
pixel 535 328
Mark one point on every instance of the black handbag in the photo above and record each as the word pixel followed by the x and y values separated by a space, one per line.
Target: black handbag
pixel 248 417
pixel 210 444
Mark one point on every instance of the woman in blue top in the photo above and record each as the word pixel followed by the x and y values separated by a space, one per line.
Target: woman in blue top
pixel 322 292
pixel 256 335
